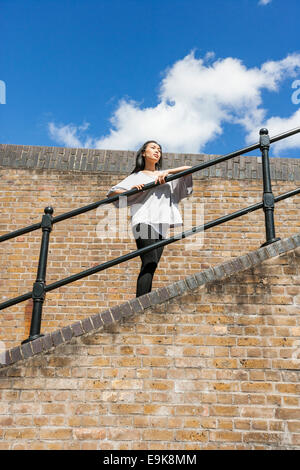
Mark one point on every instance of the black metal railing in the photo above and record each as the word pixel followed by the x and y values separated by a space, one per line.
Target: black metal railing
pixel 40 288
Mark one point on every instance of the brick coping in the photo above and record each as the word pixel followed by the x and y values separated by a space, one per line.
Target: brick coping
pixel 96 161
pixel 137 305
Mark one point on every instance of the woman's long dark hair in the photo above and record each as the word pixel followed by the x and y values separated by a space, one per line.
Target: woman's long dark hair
pixel 140 160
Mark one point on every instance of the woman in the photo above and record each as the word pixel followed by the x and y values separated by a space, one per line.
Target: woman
pixel 155 210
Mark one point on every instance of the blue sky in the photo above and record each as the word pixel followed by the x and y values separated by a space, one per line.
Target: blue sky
pixel 198 76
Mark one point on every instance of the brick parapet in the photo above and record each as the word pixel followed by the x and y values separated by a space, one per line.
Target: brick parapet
pixel 120 312
pixel 122 162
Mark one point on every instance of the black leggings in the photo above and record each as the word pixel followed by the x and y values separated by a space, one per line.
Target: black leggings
pixel 145 236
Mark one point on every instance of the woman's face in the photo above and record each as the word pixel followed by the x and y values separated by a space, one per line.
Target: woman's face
pixel 152 152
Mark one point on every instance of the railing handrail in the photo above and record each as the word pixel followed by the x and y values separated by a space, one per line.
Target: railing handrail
pixel 40 288
pixel 161 243
pixel 147 186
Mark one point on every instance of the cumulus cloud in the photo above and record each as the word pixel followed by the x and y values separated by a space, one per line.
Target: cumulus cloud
pixel 69 135
pixel 264 2
pixel 276 126
pixel 197 96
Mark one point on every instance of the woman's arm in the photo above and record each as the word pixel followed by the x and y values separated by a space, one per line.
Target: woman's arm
pixel 171 171
pixel 120 191
pixel 161 179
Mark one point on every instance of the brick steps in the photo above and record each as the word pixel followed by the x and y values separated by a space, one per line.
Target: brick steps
pixel 135 306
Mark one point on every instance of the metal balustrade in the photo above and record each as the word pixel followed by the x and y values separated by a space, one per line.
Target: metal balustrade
pixel 40 288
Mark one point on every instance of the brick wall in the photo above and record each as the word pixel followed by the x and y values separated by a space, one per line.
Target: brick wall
pixel 209 362
pixel 33 177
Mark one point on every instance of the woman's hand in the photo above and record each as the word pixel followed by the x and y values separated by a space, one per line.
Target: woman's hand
pixel 138 186
pixel 162 176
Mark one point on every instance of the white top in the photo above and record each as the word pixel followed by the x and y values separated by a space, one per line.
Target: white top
pixel 157 206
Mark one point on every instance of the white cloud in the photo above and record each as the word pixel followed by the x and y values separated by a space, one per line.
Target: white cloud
pixel 196 98
pixel 264 2
pixel 276 126
pixel 69 134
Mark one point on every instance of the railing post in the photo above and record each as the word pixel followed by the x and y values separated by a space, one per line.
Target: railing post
pixel 268 197
pixel 38 291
